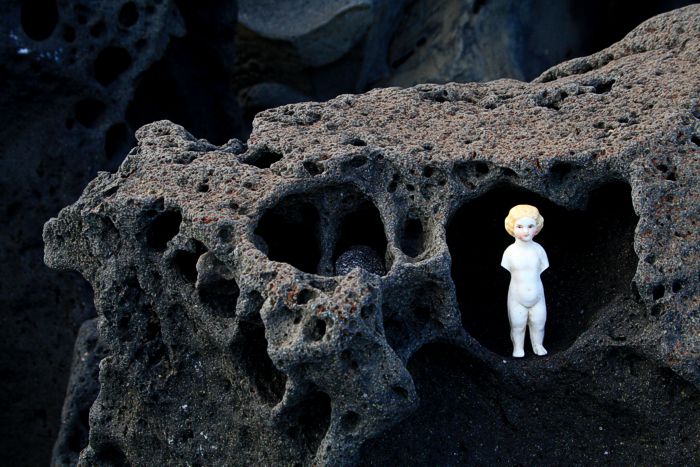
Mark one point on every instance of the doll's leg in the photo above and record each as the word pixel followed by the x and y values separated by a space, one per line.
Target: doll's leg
pixel 517 315
pixel 536 319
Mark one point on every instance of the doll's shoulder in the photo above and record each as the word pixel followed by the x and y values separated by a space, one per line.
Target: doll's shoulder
pixel 509 250
pixel 540 249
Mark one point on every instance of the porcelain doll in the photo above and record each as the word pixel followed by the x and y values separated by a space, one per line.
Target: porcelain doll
pixel 525 260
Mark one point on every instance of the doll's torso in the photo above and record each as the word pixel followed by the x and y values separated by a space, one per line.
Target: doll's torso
pixel 525 262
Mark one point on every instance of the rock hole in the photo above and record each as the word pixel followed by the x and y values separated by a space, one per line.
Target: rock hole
pixel 367 312
pixel 551 99
pixel 658 292
pixel 358 161
pixel 428 171
pixel 412 241
pixel 185 261
pixel 252 349
pixel 393 184
pixel 39 18
pixel 695 139
pixel 402 392
pixel 98 29
pixel 591 255
pixel 203 187
pixel 676 286
pixel 316 329
pixel 349 421
pixel 355 141
pixel 602 85
pixel 422 313
pixel 128 14
pixel 163 228
pixel 438 95
pixel 262 158
pixel 361 236
pixel 312 417
pixel 313 167
pixel 559 171
pixel 225 234
pixel 304 297
pixel 291 232
pixel 220 297
pixel 395 331
pixel 88 111
pixel 110 64
pixel 78 438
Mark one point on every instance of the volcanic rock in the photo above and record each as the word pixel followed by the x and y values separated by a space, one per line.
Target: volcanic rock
pixel 231 339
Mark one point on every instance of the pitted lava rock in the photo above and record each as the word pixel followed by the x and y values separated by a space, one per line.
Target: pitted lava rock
pixel 232 340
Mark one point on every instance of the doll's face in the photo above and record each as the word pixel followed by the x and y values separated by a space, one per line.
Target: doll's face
pixel 525 229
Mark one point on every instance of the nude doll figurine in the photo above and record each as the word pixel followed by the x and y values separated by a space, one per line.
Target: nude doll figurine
pixel 525 260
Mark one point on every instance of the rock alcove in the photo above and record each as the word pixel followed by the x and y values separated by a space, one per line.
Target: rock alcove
pixel 590 250
pixel 311 231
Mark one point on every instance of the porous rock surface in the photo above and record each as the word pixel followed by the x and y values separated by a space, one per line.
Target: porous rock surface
pixel 231 339
pixel 294 51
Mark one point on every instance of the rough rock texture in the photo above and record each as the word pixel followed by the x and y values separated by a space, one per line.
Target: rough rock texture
pixel 83 388
pixel 75 84
pixel 291 51
pixel 232 341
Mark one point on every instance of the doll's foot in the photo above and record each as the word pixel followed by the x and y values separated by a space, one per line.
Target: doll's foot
pixel 519 353
pixel 539 350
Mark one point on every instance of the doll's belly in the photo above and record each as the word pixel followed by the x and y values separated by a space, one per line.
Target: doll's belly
pixel 526 293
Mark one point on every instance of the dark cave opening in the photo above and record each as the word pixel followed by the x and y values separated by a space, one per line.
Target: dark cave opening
pixel 252 349
pixel 291 231
pixel 412 242
pixel 220 297
pixel 362 225
pixel 185 261
pixel 163 226
pixel 262 158
pixel 591 255
pixel 309 421
pixel 327 232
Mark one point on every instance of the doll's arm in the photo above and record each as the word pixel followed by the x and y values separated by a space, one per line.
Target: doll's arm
pixel 544 261
pixel 505 261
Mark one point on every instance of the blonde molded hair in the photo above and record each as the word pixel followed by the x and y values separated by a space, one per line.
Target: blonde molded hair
pixel 520 211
